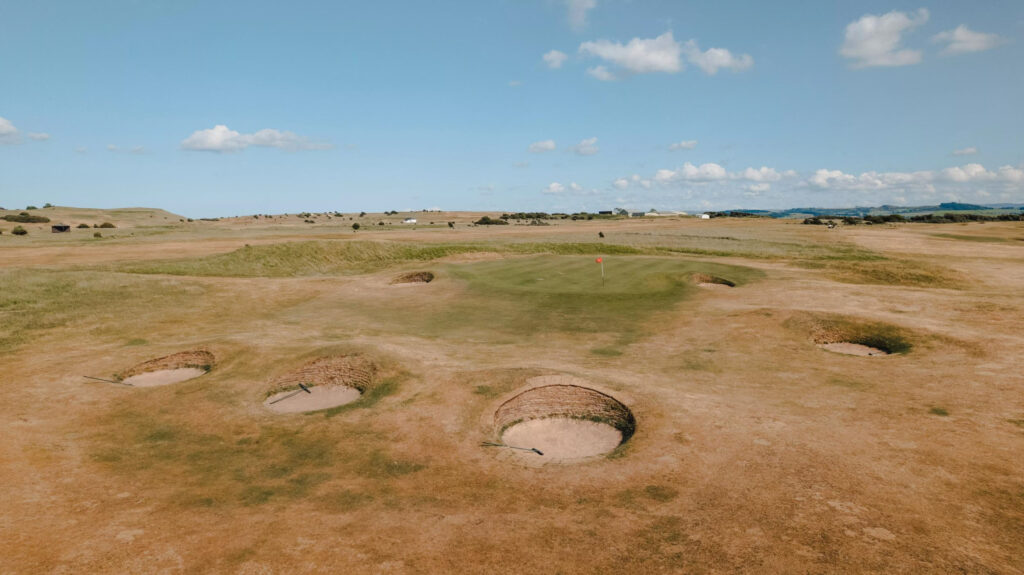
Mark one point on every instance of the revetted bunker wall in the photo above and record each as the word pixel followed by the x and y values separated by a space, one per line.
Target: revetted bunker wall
pixel 566 401
pixel 351 370
pixel 201 359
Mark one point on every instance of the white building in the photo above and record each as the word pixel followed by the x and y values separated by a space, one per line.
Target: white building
pixel 409 221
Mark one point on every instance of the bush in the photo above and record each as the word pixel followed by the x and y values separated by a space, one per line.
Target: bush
pixel 487 221
pixel 47 205
pixel 97 235
pixel 31 208
pixel 83 226
pixel 107 225
pixel 26 218
pixel 362 214
pixel 355 226
pixel 19 231
pixel 451 224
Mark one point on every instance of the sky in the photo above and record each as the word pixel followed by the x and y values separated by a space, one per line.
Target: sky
pixel 218 108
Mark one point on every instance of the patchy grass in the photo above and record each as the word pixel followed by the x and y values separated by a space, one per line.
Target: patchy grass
pixel 373 395
pixel 894 272
pixel 824 328
pixel 940 411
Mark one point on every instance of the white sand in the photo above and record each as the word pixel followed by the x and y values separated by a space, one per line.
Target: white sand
pixel 711 285
pixel 562 438
pixel 852 349
pixel 320 397
pixel 164 377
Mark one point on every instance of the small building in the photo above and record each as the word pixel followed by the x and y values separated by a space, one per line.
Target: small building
pixel 60 229
pixel 604 213
pixel 705 217
pixel 409 221
pixel 637 215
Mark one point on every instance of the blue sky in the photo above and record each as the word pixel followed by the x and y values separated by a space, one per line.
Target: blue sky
pixel 225 108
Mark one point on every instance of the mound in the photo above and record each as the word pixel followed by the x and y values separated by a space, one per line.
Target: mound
pixel 166 370
pixel 414 278
pixel 328 382
pixel 563 421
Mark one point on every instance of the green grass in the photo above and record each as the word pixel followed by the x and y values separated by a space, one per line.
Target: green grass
pixel 250 465
pixel 984 239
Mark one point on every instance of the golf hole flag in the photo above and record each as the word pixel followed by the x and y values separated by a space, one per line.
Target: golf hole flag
pixel 601 261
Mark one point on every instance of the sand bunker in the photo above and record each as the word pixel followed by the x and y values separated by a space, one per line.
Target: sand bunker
pixel 414 278
pixel 330 381
pixel 166 370
pixel 563 421
pixel 712 282
pixel 852 348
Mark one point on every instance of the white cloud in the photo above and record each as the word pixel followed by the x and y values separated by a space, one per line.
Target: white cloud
pixel 8 133
pixel 514 83
pixel 112 148
pixel 968 151
pixel 712 59
pixel 962 40
pixel 38 136
pixel 554 188
pixel 684 145
pixel 762 174
pixel 575 187
pixel 977 173
pixel 621 183
pixel 587 147
pixel 640 55
pixel 578 12
pixel 876 40
pixel 601 73
pixel 756 189
pixel 541 146
pixel 554 59
pixel 220 138
pixel 689 172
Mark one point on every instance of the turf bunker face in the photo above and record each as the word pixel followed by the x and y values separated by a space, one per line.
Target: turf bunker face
pixel 711 282
pixel 321 384
pixel 414 278
pixel 851 337
pixel 563 422
pixel 170 369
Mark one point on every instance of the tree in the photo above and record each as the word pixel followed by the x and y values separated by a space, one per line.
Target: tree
pixel 355 226
pixel 19 231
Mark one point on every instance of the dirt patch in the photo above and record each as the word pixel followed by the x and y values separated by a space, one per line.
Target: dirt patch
pixel 414 278
pixel 712 282
pixel 169 369
pixel 328 382
pixel 563 421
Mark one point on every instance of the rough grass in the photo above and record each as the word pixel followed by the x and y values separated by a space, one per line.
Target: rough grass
pixel 827 328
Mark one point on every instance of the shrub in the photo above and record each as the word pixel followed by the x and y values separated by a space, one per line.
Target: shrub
pixel 97 235
pixel 600 234
pixel 31 208
pixel 355 226
pixel 83 226
pixel 19 231
pixel 362 214
pixel 451 224
pixel 487 221
pixel 26 218
pixel 47 205
pixel 107 225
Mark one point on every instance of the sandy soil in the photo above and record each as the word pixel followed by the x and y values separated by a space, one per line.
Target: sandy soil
pixel 320 397
pixel 714 286
pixel 562 439
pixel 852 349
pixel 163 377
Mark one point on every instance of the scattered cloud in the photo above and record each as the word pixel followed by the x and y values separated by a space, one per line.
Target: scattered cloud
pixel 712 59
pixel 756 189
pixel 684 145
pixel 554 59
pixel 541 146
pixel 963 40
pixel 877 40
pixel 554 188
pixel 621 183
pixel 639 55
pixel 222 139
pixel 575 187
pixel 587 147
pixel 38 136
pixel 578 12
pixel 689 172
pixel 514 83
pixel 978 173
pixel 8 133
pixel 601 73
pixel 968 151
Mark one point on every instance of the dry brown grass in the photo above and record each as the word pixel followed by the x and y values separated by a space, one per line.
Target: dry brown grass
pixel 755 451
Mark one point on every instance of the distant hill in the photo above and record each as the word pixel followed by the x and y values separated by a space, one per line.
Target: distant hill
pixel 885 210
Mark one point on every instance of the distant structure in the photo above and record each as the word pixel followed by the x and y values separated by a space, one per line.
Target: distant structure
pixel 605 213
pixel 409 221
pixel 60 229
pixel 636 215
pixel 705 217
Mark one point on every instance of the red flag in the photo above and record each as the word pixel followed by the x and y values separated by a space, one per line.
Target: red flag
pixel 599 260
